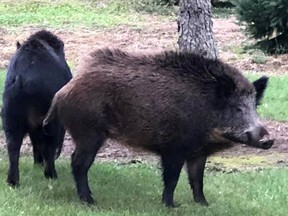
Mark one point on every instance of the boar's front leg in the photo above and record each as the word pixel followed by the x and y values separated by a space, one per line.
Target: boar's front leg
pixel 172 165
pixel 195 168
pixel 37 148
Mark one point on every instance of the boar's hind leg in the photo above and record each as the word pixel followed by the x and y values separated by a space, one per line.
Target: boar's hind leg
pixel 14 140
pixel 195 167
pixel 37 148
pixel 44 149
pixel 60 140
pixel 49 150
pixel 86 149
pixel 172 165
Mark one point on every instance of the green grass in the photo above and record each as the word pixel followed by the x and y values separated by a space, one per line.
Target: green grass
pixel 222 9
pixel 222 12
pixel 275 102
pixel 154 7
pixel 89 13
pixel 136 190
pixel 2 81
pixel 66 13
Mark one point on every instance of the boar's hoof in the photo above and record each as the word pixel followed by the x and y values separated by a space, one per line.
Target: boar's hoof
pixel 50 174
pixel 169 203
pixel 41 164
pixel 87 199
pixel 172 205
pixel 12 182
pixel 38 163
pixel 202 202
pixel 266 144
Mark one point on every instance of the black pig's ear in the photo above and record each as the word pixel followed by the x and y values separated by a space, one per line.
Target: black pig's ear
pixel 18 45
pixel 260 86
pixel 225 86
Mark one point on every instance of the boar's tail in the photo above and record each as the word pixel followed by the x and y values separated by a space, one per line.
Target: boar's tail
pixel 50 116
pixel 15 88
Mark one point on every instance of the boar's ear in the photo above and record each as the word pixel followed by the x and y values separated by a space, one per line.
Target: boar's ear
pixel 260 86
pixel 18 45
pixel 225 86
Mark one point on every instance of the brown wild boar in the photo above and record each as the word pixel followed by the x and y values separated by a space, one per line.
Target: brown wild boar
pixel 177 105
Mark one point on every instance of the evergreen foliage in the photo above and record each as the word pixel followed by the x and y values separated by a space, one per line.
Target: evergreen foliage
pixel 267 22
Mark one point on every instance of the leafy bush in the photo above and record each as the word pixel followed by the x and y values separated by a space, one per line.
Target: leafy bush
pixel 266 21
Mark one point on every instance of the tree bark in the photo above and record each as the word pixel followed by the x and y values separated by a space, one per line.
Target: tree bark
pixel 195 28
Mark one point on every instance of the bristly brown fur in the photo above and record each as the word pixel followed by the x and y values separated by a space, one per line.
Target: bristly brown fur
pixel 184 64
pixel 168 103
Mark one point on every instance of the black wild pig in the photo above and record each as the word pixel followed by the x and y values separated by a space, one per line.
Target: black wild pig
pixel 177 105
pixel 36 72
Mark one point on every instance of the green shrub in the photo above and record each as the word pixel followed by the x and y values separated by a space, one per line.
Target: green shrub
pixel 266 21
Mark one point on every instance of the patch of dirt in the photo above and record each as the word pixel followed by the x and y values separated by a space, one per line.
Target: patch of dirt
pixel 151 37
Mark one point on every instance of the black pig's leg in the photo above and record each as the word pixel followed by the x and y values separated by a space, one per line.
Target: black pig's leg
pixel 172 165
pixel 195 167
pixel 87 146
pixel 37 147
pixel 38 159
pixel 49 150
pixel 45 148
pixel 14 141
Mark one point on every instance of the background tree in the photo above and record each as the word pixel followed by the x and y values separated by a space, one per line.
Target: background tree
pixel 195 28
pixel 266 21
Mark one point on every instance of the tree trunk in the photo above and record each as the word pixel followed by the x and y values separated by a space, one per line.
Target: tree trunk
pixel 195 28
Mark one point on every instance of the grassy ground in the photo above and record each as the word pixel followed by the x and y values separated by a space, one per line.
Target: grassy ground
pixel 76 13
pixel 2 80
pixel 275 102
pixel 88 13
pixel 136 190
pixel 67 14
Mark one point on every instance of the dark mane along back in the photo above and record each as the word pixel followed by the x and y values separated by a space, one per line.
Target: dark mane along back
pixel 116 57
pixel 202 70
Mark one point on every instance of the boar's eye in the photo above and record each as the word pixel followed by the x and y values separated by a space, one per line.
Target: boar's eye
pixel 238 112
pixel 238 109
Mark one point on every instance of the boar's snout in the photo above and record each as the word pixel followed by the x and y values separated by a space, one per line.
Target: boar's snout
pixel 258 137
pixel 257 133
